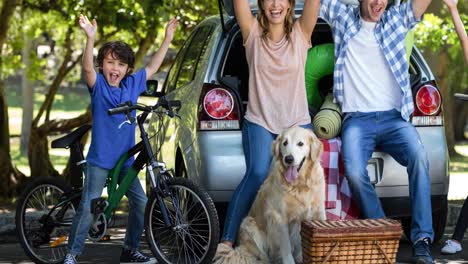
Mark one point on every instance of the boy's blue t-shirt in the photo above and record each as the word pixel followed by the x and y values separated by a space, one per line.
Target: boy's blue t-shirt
pixel 109 142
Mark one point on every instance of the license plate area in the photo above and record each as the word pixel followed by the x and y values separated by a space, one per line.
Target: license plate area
pixel 374 170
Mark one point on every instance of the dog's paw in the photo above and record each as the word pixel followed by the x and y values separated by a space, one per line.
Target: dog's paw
pixel 221 252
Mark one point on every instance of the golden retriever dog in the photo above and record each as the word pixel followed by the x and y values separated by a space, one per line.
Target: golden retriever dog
pixel 293 191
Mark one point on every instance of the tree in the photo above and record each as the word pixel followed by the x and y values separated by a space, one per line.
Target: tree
pixel 140 23
pixel 27 92
pixel 8 174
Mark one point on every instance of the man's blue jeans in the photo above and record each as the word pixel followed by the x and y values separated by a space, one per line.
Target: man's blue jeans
pixel 361 133
pixel 93 186
pixel 256 141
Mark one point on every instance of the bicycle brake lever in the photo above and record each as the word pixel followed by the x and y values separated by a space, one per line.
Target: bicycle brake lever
pixel 124 122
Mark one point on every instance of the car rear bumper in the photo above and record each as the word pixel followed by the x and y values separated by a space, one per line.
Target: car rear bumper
pixel 392 178
pixel 222 164
pixel 401 206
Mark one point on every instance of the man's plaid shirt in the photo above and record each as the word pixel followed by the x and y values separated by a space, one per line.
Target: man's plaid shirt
pixel 390 33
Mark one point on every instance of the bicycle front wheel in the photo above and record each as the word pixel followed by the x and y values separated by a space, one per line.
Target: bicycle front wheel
pixel 194 234
pixel 43 220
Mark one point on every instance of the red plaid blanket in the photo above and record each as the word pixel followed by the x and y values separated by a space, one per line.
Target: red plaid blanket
pixel 339 203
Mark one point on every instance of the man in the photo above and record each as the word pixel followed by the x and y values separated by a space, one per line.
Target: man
pixel 371 83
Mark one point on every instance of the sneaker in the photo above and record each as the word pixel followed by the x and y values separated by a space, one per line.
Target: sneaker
pixel 451 247
pixel 69 259
pixel 134 256
pixel 422 251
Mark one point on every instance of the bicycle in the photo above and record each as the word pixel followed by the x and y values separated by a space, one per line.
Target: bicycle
pixel 181 222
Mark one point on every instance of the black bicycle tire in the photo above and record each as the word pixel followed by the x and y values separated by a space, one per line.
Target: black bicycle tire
pixel 19 215
pixel 210 209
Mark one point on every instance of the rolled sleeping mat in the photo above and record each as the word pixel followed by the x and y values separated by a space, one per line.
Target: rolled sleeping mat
pixel 327 122
pixel 320 62
pixel 409 41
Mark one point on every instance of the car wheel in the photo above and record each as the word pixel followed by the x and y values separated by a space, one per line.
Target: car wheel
pixel 439 219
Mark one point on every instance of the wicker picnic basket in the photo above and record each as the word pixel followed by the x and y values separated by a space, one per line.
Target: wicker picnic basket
pixel 350 241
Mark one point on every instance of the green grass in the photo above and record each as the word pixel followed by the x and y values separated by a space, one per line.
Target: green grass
pixel 65 106
pixel 459 163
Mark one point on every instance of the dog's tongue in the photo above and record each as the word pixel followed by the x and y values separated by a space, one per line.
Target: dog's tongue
pixel 291 173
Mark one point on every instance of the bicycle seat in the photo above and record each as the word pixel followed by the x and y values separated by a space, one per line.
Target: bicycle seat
pixel 67 140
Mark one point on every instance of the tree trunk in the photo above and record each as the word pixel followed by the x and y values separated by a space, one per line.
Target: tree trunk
pixel 27 96
pixel 447 96
pixel 38 151
pixel 8 175
pixel 145 45
pixel 38 154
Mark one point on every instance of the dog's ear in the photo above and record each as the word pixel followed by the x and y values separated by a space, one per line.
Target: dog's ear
pixel 275 147
pixel 316 147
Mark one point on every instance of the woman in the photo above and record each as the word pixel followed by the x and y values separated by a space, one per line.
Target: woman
pixel 276 50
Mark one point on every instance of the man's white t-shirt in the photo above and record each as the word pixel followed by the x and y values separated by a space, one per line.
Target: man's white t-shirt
pixel 369 84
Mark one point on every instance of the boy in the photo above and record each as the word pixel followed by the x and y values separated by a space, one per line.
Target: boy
pixel 113 85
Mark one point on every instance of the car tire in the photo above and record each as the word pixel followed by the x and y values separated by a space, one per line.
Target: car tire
pixel 181 171
pixel 439 219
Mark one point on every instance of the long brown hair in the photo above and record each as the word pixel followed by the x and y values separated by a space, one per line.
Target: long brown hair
pixel 263 20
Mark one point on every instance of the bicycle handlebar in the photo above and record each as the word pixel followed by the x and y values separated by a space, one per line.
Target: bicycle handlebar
pixel 169 105
pixel 461 96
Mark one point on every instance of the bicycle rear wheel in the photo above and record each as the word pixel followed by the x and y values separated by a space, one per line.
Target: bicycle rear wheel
pixel 194 235
pixel 43 228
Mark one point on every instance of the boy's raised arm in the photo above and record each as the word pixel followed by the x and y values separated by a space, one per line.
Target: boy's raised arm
pixel 309 17
pixel 87 60
pixel 158 57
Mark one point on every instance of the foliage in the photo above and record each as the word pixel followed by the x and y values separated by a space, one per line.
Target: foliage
pixel 51 25
pixel 46 23
pixel 436 33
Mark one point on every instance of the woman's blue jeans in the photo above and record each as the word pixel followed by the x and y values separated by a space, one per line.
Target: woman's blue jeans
pixel 361 133
pixel 93 186
pixel 256 141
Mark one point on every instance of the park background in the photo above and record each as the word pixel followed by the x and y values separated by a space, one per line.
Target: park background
pixel 43 95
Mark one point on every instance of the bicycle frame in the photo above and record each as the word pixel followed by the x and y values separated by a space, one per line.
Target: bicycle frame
pixel 146 156
pixel 115 194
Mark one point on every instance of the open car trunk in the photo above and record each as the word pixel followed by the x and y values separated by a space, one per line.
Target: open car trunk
pixel 235 74
pixel 235 70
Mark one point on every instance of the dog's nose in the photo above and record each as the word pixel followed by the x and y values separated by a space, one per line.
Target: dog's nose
pixel 289 159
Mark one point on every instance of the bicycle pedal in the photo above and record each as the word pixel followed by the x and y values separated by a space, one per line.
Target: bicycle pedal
pixel 98 205
pixel 58 241
pixel 105 238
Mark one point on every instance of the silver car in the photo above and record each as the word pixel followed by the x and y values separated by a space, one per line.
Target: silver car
pixel 210 77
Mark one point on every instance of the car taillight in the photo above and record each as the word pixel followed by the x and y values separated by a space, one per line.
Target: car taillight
pixel 218 109
pixel 218 103
pixel 428 104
